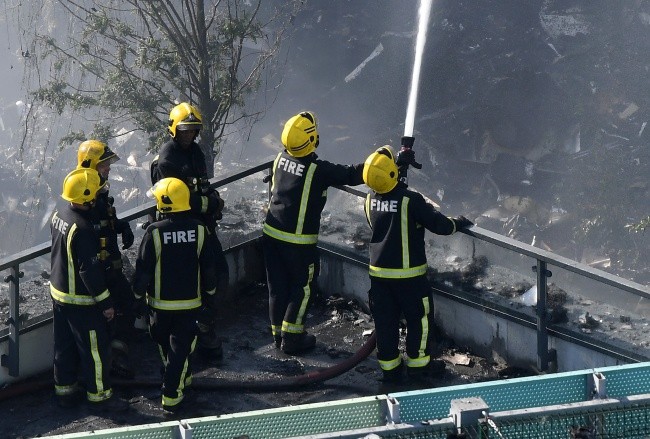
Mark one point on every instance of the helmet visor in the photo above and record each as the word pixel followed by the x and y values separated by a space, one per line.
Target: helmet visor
pixel 108 157
pixel 151 193
pixel 186 126
pixel 190 123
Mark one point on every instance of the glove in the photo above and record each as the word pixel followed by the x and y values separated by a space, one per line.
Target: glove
pixel 127 236
pixel 462 222
pixel 218 202
pixel 140 308
pixel 405 157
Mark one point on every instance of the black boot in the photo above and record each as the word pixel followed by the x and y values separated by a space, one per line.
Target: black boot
pixel 112 404
pixel 294 344
pixel 277 338
pixel 175 410
pixel 70 400
pixel 393 376
pixel 392 380
pixel 435 369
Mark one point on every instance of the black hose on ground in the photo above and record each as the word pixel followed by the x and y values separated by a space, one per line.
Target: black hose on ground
pixel 285 383
pixel 25 387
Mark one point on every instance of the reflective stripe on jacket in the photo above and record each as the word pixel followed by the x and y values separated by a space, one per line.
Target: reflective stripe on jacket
pixel 175 264
pixel 77 275
pixel 398 220
pixel 298 195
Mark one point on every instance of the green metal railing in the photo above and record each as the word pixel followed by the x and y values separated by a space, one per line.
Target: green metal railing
pixel 510 413
pixel 543 259
pixel 610 419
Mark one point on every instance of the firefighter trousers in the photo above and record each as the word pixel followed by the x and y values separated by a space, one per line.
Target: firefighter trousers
pixel 175 333
pixel 389 300
pixel 81 341
pixel 291 273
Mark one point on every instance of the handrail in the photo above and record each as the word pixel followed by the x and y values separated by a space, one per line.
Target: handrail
pixel 476 232
pixel 25 255
pixel 542 257
pixel 559 261
pixel 128 215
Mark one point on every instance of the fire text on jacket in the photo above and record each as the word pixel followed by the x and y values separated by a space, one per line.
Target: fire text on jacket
pixel 59 224
pixel 179 236
pixel 291 166
pixel 383 206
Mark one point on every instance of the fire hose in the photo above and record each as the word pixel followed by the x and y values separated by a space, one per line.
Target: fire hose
pixel 286 383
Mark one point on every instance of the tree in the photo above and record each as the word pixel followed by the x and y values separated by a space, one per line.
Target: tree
pixel 640 226
pixel 126 63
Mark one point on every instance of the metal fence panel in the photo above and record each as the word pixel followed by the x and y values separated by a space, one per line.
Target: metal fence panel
pixel 503 395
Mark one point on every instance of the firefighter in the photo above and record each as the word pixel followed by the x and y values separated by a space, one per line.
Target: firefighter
pixel 94 154
pixel 181 157
pixel 174 292
pixel 81 303
pixel 298 195
pixel 398 218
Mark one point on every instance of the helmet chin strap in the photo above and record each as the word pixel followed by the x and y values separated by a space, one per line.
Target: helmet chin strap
pixel 86 205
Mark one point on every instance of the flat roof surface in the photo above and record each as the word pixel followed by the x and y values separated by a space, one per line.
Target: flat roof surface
pixel 245 379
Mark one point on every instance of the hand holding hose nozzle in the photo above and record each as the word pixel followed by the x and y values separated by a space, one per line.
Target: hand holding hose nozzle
pixel 408 141
pixel 406 158
pixel 406 155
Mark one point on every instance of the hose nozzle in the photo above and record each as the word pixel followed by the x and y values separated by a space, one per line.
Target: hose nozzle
pixel 407 142
pixel 406 156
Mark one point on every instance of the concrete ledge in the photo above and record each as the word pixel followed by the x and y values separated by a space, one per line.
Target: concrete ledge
pixel 344 272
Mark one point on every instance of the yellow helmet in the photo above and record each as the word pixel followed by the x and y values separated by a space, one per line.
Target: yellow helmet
pixel 92 152
pixel 300 134
pixel 80 186
pixel 380 171
pixel 184 117
pixel 171 194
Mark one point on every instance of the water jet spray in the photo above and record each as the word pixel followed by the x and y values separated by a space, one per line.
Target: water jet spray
pixel 408 140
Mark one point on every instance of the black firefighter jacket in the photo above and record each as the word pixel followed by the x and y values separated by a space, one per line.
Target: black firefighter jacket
pixel 174 265
pixel 299 193
pixel 398 220
pixel 187 165
pixel 105 218
pixel 184 164
pixel 77 276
